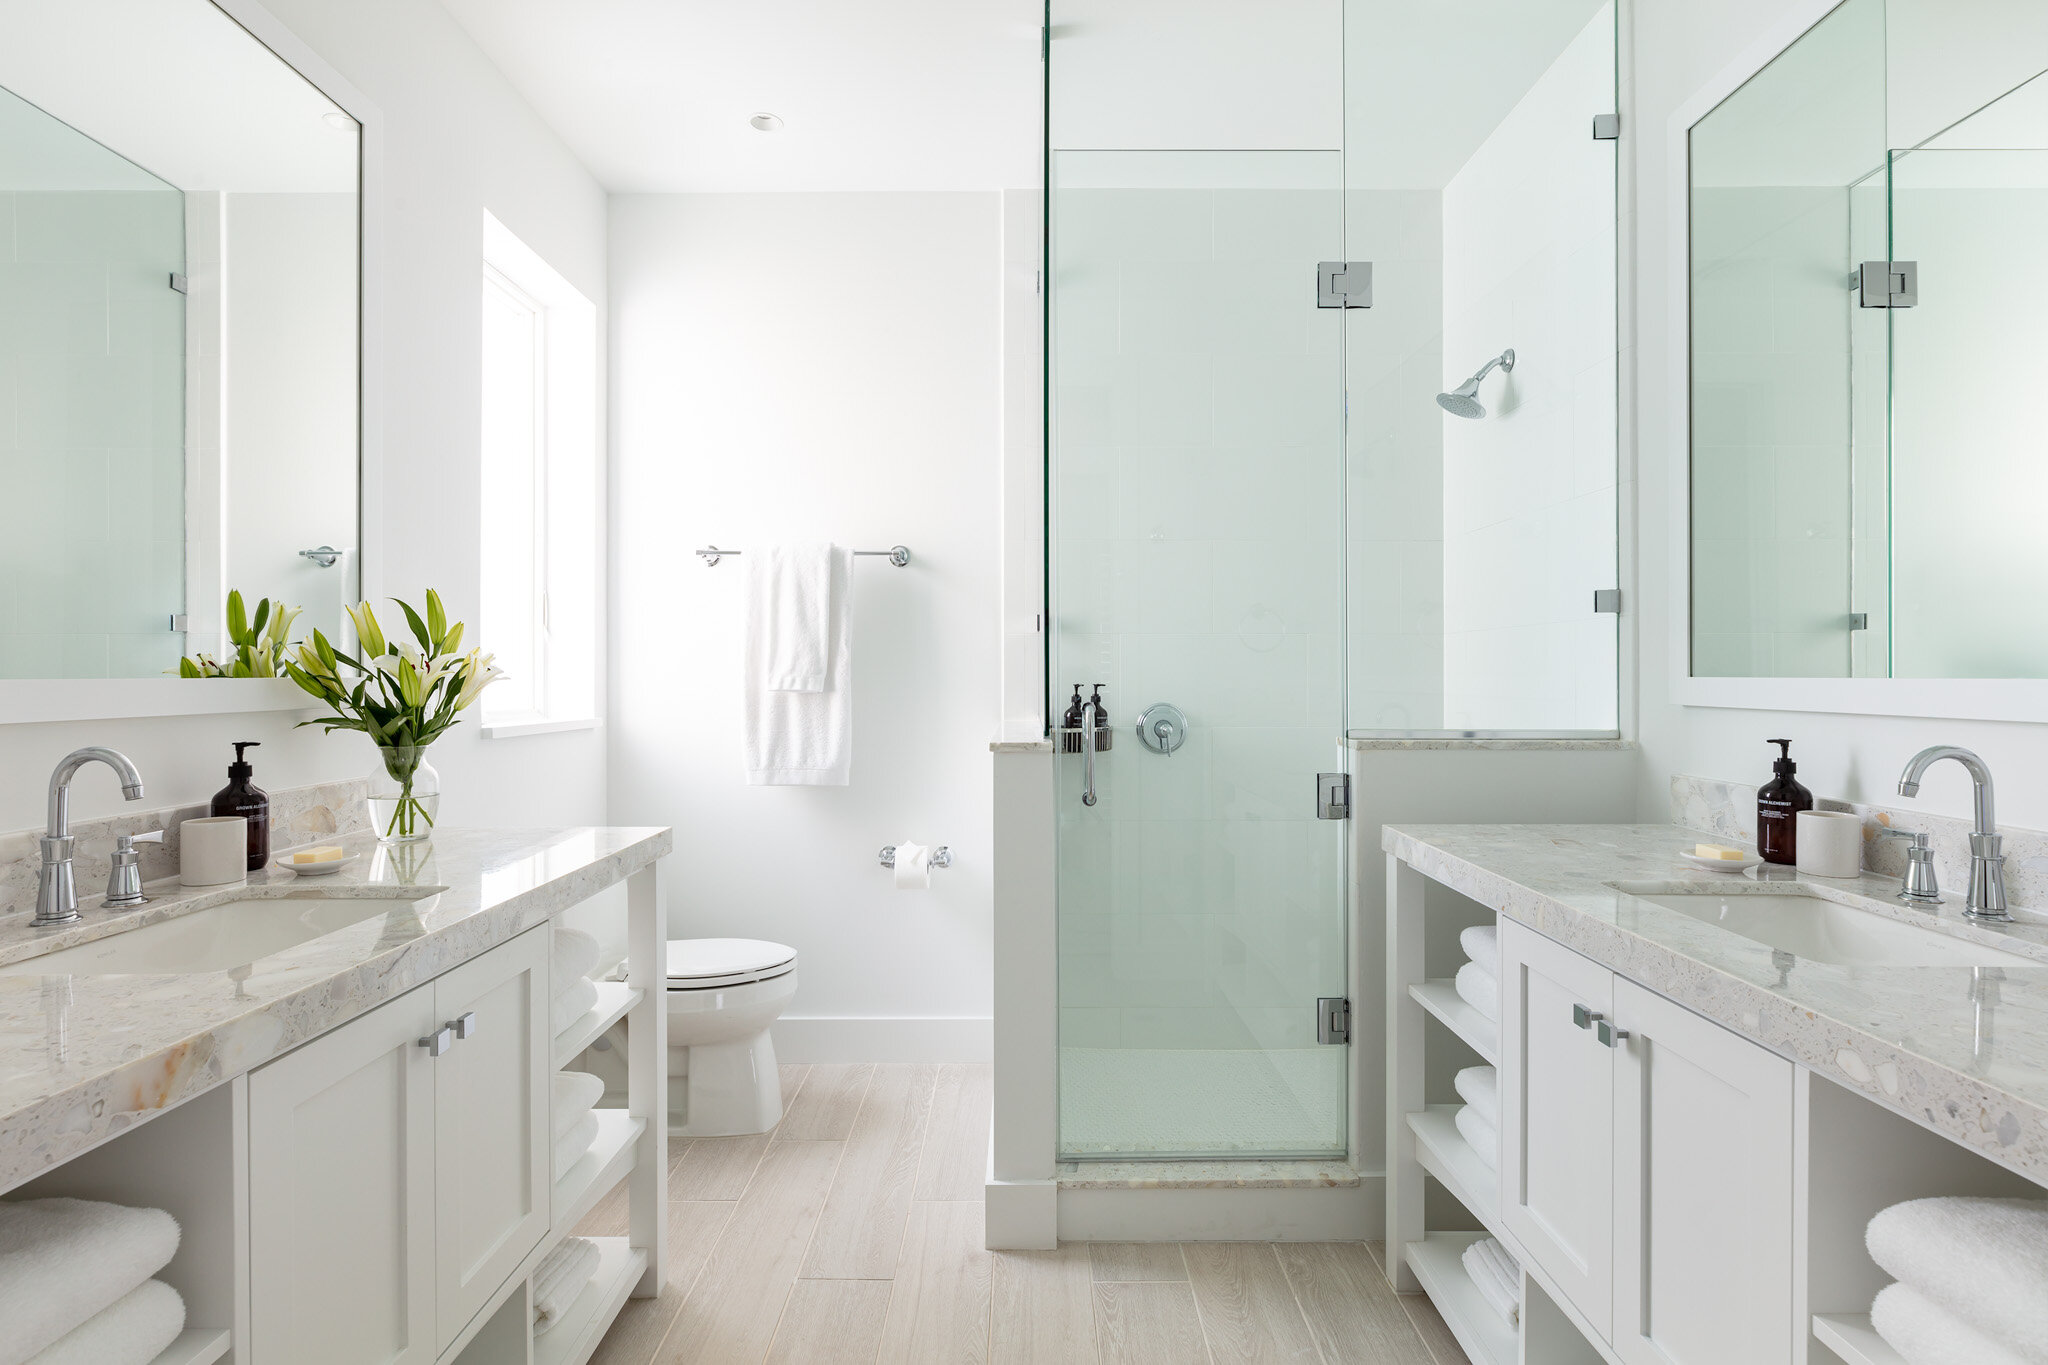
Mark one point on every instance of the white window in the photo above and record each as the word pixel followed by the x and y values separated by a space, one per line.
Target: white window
pixel 539 611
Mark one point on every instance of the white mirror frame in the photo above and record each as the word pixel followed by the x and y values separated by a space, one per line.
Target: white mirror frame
pixel 2019 699
pixel 27 700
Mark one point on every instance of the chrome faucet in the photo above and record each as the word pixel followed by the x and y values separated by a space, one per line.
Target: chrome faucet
pixel 1987 859
pixel 56 892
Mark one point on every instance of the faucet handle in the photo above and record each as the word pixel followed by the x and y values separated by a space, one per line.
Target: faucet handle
pixel 1918 836
pixel 124 843
pixel 1919 885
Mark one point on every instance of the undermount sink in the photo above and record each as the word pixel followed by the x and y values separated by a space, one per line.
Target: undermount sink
pixel 216 939
pixel 1825 931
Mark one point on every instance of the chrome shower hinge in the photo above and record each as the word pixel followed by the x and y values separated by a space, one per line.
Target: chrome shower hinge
pixel 1333 796
pixel 1606 127
pixel 1344 284
pixel 1333 1019
pixel 1888 284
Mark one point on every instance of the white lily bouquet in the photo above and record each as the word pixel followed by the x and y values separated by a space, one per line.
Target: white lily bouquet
pixel 402 695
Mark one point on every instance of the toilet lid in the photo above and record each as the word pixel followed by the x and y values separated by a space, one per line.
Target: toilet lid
pixel 694 963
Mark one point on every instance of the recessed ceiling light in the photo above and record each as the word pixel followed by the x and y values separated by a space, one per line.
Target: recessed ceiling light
pixel 337 119
pixel 765 123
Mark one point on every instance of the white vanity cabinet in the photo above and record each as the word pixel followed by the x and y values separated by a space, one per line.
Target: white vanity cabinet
pixel 398 1167
pixel 1649 1156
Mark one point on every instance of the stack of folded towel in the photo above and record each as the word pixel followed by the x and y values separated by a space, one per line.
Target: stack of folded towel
pixel 1497 1276
pixel 575 1122
pixel 1478 1119
pixel 75 1286
pixel 1479 980
pixel 561 1276
pixel 575 992
pixel 1973 1280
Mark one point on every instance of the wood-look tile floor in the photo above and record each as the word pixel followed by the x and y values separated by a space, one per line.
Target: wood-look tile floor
pixel 853 1233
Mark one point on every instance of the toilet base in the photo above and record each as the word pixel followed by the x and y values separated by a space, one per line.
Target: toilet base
pixel 724 1089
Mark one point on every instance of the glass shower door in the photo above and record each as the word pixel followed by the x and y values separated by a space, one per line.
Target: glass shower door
pixel 1197 548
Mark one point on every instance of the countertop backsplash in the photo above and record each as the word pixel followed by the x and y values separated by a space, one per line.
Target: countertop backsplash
pixel 1727 810
pixel 298 815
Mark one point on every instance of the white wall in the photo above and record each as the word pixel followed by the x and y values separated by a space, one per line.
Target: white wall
pixel 1676 49
pixel 1529 500
pixel 815 365
pixel 457 140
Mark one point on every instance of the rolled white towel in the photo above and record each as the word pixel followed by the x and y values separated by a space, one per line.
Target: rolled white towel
pixel 575 954
pixel 1502 1294
pixel 1480 989
pixel 63 1260
pixel 134 1331
pixel 1985 1260
pixel 576 1093
pixel 1482 944
pixel 574 1003
pixel 560 1278
pixel 1925 1333
pixel 1479 1086
pixel 570 1149
pixel 1482 1137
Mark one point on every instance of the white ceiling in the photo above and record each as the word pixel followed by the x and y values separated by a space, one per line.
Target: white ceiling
pixel 654 95
pixel 176 87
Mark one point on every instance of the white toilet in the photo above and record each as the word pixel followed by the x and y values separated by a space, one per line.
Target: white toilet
pixel 723 993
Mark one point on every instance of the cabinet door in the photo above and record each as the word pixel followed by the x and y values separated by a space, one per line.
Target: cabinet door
pixel 341 1195
pixel 1703 1191
pixel 491 1103
pixel 1557 1097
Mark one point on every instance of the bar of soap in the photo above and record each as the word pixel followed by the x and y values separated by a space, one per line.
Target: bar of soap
pixel 326 853
pixel 1731 855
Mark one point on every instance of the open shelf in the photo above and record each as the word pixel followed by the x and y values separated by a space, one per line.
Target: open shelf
pixel 1445 1154
pixel 572 1340
pixel 614 998
pixel 196 1346
pixel 598 1170
pixel 1850 1336
pixel 1440 997
pixel 1484 1334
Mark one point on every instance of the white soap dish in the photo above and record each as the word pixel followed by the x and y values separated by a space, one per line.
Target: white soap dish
pixel 1746 862
pixel 328 868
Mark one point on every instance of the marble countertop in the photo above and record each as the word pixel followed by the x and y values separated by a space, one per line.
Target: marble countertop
pixel 1962 1050
pixel 84 1057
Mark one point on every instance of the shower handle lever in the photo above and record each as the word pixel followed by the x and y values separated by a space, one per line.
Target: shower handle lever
pixel 1089 721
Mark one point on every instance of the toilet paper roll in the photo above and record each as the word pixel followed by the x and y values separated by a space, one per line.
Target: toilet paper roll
pixel 213 850
pixel 913 867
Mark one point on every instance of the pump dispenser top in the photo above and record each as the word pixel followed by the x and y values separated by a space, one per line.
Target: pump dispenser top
pixel 243 797
pixel 1778 803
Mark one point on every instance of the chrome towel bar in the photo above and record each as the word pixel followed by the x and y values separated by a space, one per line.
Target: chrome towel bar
pixel 899 555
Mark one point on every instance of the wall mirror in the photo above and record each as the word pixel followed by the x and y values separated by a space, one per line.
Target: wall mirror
pixel 180 290
pixel 1864 217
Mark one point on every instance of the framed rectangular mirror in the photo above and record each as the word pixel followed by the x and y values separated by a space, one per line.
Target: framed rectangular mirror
pixel 1857 214
pixel 181 351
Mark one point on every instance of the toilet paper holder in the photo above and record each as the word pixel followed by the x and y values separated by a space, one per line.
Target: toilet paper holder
pixel 941 856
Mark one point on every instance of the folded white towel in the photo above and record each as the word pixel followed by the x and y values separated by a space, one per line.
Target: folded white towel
pixel 1487 1264
pixel 134 1331
pixel 1482 1137
pixel 1482 944
pixel 1479 1086
pixel 560 1277
pixel 1480 989
pixel 573 1004
pixel 575 956
pixel 576 1093
pixel 569 1149
pixel 63 1260
pixel 799 601
pixel 1985 1260
pixel 1925 1333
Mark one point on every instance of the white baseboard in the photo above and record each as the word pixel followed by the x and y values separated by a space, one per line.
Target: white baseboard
pixel 884 1040
pixel 1302 1214
pixel 1021 1215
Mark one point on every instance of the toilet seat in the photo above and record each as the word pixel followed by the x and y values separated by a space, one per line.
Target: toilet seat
pixel 697 964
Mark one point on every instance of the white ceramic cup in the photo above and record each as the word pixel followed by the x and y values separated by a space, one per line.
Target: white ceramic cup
pixel 1830 843
pixel 213 850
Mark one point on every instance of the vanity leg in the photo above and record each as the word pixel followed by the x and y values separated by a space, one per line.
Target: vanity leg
pixel 647 1068
pixel 1404 1069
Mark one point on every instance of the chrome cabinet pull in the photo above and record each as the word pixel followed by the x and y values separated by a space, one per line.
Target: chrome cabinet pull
pixel 465 1027
pixel 1609 1034
pixel 439 1041
pixel 1585 1018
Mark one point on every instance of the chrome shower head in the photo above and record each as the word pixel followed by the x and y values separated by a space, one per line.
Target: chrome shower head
pixel 1463 401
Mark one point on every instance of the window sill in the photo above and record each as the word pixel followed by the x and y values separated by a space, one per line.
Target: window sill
pixel 513 729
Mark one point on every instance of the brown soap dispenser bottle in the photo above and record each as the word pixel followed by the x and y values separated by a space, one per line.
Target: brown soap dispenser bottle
pixel 1778 803
pixel 244 798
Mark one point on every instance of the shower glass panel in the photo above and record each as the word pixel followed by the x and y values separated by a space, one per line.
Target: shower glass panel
pixel 1197 498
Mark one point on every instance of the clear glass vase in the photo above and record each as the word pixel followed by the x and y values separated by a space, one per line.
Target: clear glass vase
pixel 406 797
